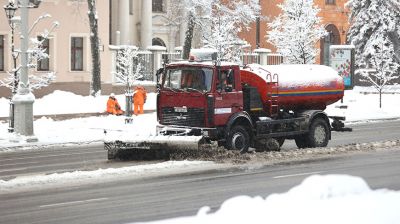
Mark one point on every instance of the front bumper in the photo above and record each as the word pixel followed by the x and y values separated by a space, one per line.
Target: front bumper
pixel 209 133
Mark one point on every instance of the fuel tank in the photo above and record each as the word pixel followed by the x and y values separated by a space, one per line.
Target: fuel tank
pixel 295 87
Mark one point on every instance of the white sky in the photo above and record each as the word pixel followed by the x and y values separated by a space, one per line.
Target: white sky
pixel 320 199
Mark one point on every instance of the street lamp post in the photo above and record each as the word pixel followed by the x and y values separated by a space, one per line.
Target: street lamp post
pixel 24 98
pixel 10 10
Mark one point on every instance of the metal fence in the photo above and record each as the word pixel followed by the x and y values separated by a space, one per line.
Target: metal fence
pixel 171 56
pixel 150 62
pixel 145 59
pixel 250 58
pixel 274 59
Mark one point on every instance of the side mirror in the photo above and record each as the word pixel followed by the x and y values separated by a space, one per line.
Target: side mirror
pixel 158 74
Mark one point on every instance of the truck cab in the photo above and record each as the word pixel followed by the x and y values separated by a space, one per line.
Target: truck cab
pixel 198 97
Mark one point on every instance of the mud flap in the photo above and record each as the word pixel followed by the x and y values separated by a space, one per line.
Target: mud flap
pixel 338 125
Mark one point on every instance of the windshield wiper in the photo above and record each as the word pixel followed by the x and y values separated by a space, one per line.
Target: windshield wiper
pixel 193 89
pixel 170 88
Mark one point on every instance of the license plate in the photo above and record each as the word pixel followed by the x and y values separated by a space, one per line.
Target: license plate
pixel 180 109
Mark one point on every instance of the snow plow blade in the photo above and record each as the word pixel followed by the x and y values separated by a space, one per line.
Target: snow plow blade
pixel 157 147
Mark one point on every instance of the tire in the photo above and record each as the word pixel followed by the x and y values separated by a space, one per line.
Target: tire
pixel 318 135
pixel 301 141
pixel 238 139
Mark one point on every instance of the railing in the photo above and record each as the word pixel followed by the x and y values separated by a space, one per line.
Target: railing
pixel 149 62
pixel 274 59
pixel 145 59
pixel 250 58
pixel 171 56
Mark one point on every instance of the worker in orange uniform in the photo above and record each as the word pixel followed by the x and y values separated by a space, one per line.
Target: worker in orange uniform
pixel 139 98
pixel 113 106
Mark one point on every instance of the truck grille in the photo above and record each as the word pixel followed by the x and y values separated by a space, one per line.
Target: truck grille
pixel 194 117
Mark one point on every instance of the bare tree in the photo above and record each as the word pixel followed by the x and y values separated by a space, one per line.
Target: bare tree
pixel 36 53
pixel 128 71
pixel 382 68
pixel 188 37
pixel 94 42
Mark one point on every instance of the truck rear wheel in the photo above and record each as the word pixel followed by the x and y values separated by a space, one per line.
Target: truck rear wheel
pixel 270 144
pixel 318 135
pixel 238 139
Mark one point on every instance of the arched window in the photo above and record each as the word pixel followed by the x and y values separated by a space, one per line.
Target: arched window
pixel 158 42
pixel 333 38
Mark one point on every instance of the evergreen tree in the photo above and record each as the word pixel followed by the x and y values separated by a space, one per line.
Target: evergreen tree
pixel 374 31
pixel 370 20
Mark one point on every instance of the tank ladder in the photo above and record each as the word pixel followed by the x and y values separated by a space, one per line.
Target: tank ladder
pixel 273 95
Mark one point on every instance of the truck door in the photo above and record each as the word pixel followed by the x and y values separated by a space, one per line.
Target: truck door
pixel 229 97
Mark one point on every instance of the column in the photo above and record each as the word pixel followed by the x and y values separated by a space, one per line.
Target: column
pixel 123 21
pixel 263 54
pixel 146 24
pixel 157 58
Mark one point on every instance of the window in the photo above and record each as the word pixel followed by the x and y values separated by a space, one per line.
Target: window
pixel 157 6
pixel 1 52
pixel 226 80
pixel 43 64
pixel 77 53
pixel 188 79
pixel 330 2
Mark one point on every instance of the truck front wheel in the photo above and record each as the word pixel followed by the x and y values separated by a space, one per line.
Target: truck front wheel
pixel 238 139
pixel 319 133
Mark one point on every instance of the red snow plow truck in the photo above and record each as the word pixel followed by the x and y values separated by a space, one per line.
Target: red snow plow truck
pixel 199 102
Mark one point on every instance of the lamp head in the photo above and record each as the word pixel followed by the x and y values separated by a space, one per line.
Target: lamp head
pixel 10 10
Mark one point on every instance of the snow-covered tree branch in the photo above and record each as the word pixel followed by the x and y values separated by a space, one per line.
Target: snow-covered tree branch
pixel 36 53
pixel 382 68
pixel 224 24
pixel 128 68
pixel 218 21
pixel 372 19
pixel 296 31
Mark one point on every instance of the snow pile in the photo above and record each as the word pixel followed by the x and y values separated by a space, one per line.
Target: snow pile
pixel 83 130
pixel 318 199
pixel 100 174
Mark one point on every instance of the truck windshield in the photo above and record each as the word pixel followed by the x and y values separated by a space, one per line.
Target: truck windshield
pixel 188 79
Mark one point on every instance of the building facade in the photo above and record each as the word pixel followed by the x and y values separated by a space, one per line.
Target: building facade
pixel 334 18
pixel 142 23
pixel 68 46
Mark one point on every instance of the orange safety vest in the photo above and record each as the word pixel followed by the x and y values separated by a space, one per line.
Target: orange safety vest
pixel 113 106
pixel 139 96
